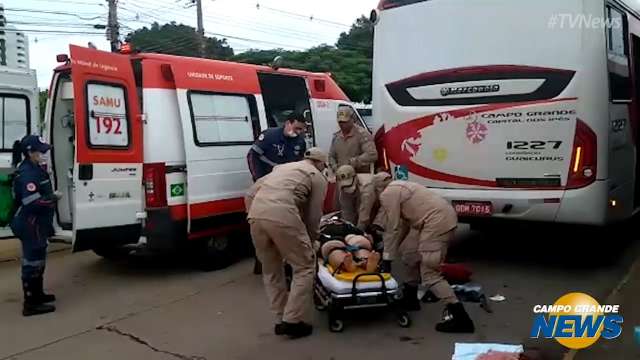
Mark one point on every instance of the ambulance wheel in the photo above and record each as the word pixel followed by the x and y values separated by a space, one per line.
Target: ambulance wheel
pixel 214 253
pixel 404 320
pixel 336 325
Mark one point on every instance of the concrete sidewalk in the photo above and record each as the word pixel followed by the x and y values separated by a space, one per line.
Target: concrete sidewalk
pixel 10 249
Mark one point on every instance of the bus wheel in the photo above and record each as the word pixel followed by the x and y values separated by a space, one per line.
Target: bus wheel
pixel 214 253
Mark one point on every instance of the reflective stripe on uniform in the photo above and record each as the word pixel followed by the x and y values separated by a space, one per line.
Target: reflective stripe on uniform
pixel 33 263
pixel 31 198
pixel 257 149
pixel 267 161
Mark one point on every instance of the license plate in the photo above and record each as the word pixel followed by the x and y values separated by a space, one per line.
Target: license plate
pixel 471 208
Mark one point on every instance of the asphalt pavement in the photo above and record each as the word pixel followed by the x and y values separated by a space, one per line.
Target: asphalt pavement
pixel 157 308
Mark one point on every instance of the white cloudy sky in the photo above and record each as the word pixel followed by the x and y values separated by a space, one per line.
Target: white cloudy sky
pixel 278 23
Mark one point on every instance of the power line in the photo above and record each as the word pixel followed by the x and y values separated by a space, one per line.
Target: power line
pixel 56 24
pixel 252 40
pixel 71 2
pixel 250 25
pixel 54 13
pixel 41 31
pixel 248 39
pixel 309 17
pixel 150 14
pixel 244 38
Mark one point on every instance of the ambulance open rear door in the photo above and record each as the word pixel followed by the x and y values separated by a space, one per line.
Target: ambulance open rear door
pixel 107 173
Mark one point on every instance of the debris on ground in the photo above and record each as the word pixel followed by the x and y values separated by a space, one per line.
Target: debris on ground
pixel 498 298
pixel 456 273
pixel 487 352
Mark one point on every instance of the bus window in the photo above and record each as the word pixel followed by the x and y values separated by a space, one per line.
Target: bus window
pixel 15 119
pixel 618 55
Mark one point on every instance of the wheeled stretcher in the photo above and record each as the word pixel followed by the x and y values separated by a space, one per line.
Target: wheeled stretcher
pixel 337 292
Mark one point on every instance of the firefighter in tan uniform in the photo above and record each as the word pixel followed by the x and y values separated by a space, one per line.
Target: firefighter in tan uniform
pixel 359 196
pixel 433 222
pixel 352 145
pixel 285 208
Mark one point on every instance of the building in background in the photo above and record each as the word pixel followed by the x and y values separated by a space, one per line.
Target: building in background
pixel 14 45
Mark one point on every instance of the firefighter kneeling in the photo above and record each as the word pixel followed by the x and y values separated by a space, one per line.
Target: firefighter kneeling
pixel 285 208
pixel 433 222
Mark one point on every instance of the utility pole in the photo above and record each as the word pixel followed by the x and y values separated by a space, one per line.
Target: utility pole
pixel 113 27
pixel 200 30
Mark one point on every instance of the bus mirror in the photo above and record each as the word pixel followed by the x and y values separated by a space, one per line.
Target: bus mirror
pixel 62 58
pixel 374 16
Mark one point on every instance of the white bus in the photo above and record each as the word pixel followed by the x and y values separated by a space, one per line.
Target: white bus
pixel 513 109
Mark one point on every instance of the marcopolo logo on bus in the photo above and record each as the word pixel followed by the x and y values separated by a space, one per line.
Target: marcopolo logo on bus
pixel 461 90
pixel 577 321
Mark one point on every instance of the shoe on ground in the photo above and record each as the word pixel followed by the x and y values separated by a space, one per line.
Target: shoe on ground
pixel 297 330
pixel 455 320
pixel 279 329
pixel 31 309
pixel 35 298
pixel 45 298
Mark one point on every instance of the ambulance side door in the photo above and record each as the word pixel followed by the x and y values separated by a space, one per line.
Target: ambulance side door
pixel 219 125
pixel 107 174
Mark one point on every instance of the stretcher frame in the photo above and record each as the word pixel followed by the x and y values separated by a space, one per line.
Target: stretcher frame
pixel 336 304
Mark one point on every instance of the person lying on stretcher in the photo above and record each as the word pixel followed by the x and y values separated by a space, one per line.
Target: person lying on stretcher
pixel 352 253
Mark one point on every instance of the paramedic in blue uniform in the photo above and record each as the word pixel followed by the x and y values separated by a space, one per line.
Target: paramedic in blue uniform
pixel 277 146
pixel 33 222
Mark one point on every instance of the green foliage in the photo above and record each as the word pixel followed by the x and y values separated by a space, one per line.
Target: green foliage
pixel 42 102
pixel 349 61
pixel 177 39
pixel 359 38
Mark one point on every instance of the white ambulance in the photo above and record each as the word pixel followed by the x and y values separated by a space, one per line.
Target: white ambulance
pixel 19 115
pixel 19 109
pixel 151 149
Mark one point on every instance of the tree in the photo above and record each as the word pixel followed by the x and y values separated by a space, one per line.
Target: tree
pixel 42 102
pixel 350 68
pixel 181 40
pixel 359 38
pixel 350 60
